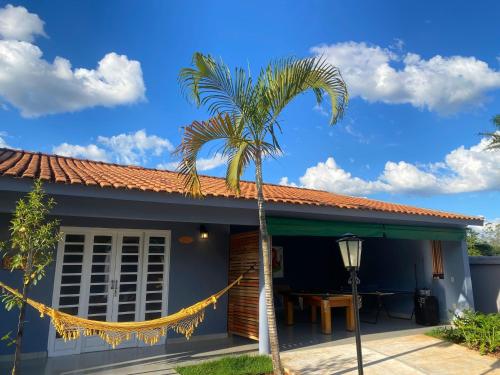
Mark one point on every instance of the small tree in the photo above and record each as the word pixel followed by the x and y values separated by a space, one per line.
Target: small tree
pixel 491 235
pixel 30 250
pixel 472 239
pixel 482 244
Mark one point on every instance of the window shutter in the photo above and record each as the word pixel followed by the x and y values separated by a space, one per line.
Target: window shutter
pixel 437 260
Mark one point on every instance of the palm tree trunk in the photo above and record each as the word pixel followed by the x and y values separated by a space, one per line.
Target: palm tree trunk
pixel 16 369
pixel 268 275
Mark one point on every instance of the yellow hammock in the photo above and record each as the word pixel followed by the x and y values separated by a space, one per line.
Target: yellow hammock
pixel 71 327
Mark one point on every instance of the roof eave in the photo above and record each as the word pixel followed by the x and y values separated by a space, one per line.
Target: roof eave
pixel 273 208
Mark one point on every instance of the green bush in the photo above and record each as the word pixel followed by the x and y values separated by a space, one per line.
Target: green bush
pixel 447 333
pixel 476 330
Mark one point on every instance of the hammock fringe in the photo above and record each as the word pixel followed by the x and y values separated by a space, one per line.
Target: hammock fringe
pixel 184 322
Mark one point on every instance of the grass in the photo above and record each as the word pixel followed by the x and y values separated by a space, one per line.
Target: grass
pixel 446 334
pixel 240 365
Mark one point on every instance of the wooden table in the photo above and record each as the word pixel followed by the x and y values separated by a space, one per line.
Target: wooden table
pixel 325 302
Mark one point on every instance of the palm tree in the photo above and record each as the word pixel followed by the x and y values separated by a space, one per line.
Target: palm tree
pixel 495 136
pixel 244 120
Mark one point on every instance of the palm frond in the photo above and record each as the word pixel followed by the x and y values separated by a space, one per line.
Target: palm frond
pixel 494 136
pixel 494 140
pixel 238 161
pixel 284 79
pixel 496 121
pixel 210 83
pixel 270 150
pixel 198 134
pixel 245 115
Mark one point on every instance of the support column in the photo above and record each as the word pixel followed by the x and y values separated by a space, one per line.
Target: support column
pixel 467 285
pixel 263 326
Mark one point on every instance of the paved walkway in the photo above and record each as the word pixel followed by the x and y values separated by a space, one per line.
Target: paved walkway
pixel 398 352
pixel 405 355
pixel 156 360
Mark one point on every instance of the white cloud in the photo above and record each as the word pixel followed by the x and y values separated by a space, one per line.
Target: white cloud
pixel 442 84
pixel 91 151
pixel 487 225
pixel 397 45
pixel 132 148
pixel 170 166
pixel 202 164
pixel 3 142
pixel 329 176
pixel 360 137
pixel 321 110
pixel 284 181
pixel 474 169
pixel 38 87
pixel 16 23
pixel 403 177
pixel 463 170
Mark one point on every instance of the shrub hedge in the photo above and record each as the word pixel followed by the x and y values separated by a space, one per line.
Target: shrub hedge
pixel 476 330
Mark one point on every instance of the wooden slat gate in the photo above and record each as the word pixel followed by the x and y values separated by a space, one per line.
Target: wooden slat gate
pixel 243 305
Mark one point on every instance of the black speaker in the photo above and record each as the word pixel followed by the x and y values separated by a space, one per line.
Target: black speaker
pixel 426 310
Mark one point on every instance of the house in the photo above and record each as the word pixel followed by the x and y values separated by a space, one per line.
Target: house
pixel 132 248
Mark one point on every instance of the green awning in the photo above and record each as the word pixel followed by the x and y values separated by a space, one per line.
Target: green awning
pixel 424 233
pixel 279 226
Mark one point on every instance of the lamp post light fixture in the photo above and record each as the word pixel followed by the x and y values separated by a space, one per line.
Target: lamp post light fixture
pixel 350 249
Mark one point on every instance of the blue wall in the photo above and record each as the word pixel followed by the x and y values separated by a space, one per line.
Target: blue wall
pixel 390 264
pixel 311 263
pixel 197 270
pixel 485 274
pixel 399 265
pixel 456 287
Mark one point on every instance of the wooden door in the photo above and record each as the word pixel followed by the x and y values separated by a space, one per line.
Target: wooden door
pixel 243 305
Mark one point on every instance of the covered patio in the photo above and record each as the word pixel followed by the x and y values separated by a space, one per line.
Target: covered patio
pixel 398 264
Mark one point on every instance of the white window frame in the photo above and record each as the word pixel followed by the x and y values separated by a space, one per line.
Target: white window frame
pixel 89 232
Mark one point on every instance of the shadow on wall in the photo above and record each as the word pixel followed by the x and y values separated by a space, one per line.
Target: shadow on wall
pixel 454 291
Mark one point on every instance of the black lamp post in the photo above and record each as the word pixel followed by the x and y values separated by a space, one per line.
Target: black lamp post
pixel 350 249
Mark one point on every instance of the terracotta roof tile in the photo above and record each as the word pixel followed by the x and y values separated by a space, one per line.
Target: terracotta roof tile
pixel 60 169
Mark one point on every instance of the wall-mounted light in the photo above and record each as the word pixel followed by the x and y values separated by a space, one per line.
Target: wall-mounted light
pixel 203 232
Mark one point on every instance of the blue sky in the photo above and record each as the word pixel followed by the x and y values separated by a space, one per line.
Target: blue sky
pixel 424 80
